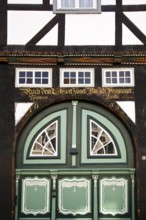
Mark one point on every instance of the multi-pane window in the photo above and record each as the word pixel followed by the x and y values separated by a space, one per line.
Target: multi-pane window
pixel 118 77
pixel 46 143
pixel 81 6
pixel 76 77
pixel 29 77
pixel 77 4
pixel 101 143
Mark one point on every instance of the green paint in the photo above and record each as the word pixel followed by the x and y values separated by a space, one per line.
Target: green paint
pixel 36 128
pixel 111 171
pixel 95 198
pixel 53 212
pixel 17 194
pixel 73 161
pixel 113 196
pixel 34 218
pixel 133 196
pixel 35 194
pixel 74 196
pixel 114 130
pixel 74 124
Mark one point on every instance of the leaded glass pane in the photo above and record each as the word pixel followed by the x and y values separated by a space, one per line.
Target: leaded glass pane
pixel 127 73
pixel 108 80
pixel 46 142
pixel 21 80
pixel 81 81
pixel 121 80
pixel 73 81
pixel 81 74
pixel 87 81
pixel 67 3
pixel 29 81
pixel 21 74
pixel 101 142
pixel 45 81
pixel 121 73
pixel 37 74
pixel 73 74
pixel 87 74
pixel 114 74
pixel 29 74
pixel 38 81
pixel 86 3
pixel 66 74
pixel 127 80
pixel 66 81
pixel 114 80
pixel 45 74
pixel 108 74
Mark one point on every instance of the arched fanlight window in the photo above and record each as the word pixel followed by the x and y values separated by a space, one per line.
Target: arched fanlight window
pixel 101 143
pixel 46 143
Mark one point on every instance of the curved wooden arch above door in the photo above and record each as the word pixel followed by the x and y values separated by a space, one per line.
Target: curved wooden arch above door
pixel 75 134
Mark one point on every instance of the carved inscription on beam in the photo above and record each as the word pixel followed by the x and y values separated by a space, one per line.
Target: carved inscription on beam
pixel 40 94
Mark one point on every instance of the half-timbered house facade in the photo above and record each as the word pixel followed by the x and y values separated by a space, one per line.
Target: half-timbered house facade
pixel 72 109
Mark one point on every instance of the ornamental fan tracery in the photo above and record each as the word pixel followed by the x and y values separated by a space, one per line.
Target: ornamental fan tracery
pixel 46 143
pixel 101 142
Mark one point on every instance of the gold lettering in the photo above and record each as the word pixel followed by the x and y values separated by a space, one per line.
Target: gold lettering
pixel 42 93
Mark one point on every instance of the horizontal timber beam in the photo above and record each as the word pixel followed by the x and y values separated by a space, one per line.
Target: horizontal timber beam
pixel 74 59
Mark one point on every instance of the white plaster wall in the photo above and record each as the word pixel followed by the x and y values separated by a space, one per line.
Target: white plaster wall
pixel 20 110
pixel 129 109
pixel 108 2
pixel 138 18
pixel 24 1
pixel 90 29
pixel 129 38
pixel 23 25
pixel 80 29
pixel 51 38
pixel 134 2
pixel 127 106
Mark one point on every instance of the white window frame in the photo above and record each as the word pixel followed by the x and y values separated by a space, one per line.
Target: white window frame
pixel 118 84
pixel 77 70
pixel 33 84
pixel 95 9
pixel 48 141
pixel 93 150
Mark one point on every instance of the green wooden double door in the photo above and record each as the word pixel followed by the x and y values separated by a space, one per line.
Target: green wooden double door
pixel 75 160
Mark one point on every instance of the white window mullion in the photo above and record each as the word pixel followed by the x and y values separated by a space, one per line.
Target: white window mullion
pixel 94 4
pixel 118 79
pixel 77 78
pixel 33 78
pixel 76 4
